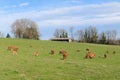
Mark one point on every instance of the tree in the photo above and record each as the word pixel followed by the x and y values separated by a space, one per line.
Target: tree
pixel 80 35
pixel 25 28
pixel 111 36
pixel 57 33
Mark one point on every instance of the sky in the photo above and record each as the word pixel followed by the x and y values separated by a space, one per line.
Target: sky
pixel 61 14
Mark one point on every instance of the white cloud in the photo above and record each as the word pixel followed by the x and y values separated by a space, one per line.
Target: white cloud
pixel 105 13
pixel 24 4
pixel 93 14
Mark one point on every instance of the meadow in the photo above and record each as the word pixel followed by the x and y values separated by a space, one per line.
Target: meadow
pixel 25 66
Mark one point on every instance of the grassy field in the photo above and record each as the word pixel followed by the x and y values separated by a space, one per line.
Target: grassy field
pixel 25 66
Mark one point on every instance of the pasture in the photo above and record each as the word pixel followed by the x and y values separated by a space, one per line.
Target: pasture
pixel 26 66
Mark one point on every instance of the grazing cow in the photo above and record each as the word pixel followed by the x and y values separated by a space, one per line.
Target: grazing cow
pixel 90 55
pixel 15 50
pixel 35 53
pixel 10 48
pixel 52 51
pixel 64 53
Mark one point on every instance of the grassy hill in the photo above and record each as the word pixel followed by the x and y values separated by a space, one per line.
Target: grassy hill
pixel 25 66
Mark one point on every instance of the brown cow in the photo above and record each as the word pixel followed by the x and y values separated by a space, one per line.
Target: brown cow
pixel 90 55
pixel 52 51
pixel 10 48
pixel 15 50
pixel 64 53
pixel 35 53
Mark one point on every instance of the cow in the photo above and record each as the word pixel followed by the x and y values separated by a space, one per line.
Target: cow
pixel 35 53
pixel 52 51
pixel 64 53
pixel 90 55
pixel 15 50
pixel 10 48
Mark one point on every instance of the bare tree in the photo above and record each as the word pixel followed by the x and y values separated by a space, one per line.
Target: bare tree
pixel 93 34
pixel 57 33
pixel 80 35
pixel 111 36
pixel 25 28
pixel 102 38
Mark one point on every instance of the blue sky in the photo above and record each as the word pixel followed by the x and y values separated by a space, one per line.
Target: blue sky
pixel 56 14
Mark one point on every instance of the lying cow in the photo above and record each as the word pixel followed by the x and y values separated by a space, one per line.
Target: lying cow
pixel 35 53
pixel 90 55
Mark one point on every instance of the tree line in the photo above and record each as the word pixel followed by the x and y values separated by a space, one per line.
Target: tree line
pixel 90 35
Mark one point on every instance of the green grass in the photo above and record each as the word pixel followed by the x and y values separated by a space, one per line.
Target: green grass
pixel 25 66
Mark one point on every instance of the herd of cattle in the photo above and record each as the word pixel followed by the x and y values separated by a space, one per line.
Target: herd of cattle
pixel 64 53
